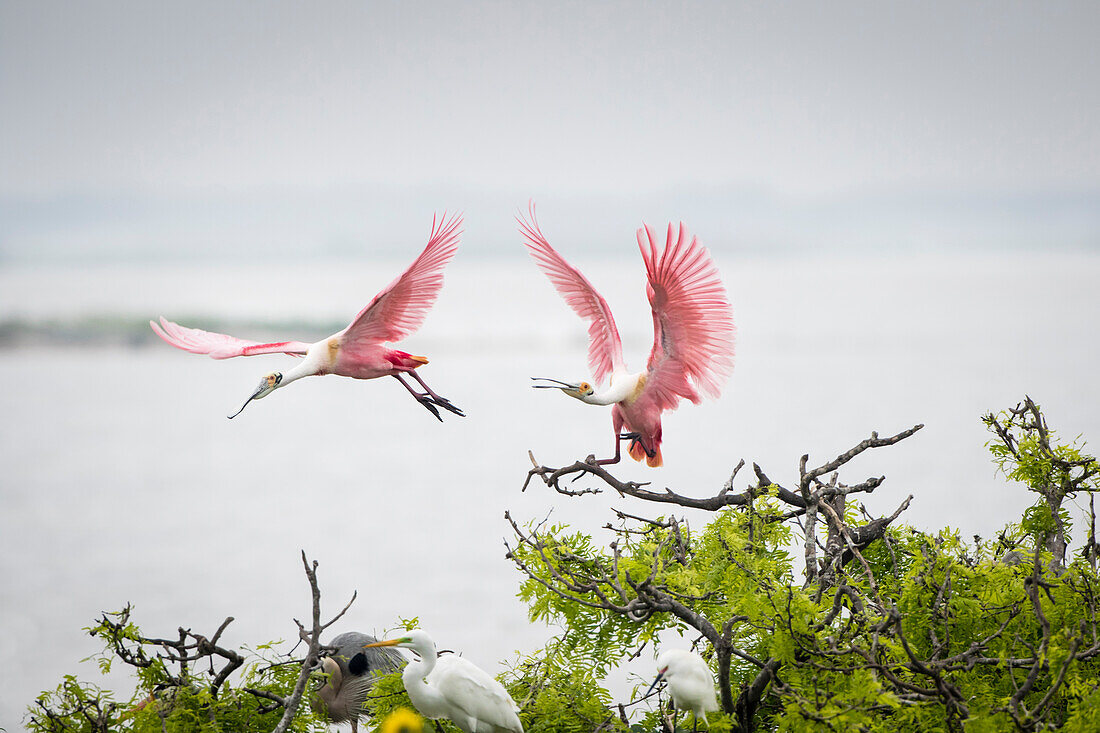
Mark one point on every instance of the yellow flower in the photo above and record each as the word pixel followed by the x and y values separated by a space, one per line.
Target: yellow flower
pixel 402 720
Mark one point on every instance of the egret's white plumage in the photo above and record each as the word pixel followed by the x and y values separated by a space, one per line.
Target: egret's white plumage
pixel 454 688
pixel 690 681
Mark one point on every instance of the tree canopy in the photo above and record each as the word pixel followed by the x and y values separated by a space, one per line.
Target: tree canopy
pixel 813 614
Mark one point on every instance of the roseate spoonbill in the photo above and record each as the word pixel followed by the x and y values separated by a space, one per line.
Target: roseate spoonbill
pixel 692 335
pixel 689 681
pixel 351 671
pixel 453 688
pixel 358 351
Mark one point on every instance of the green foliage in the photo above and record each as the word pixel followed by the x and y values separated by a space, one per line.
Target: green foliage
pixel 1038 521
pixel 1025 450
pixel 75 706
pixel 388 695
pixel 166 700
pixel 558 697
pixel 920 632
pixel 589 629
pixel 947 602
pixel 889 629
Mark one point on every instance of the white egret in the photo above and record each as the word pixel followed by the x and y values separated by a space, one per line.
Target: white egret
pixel 453 688
pixel 690 681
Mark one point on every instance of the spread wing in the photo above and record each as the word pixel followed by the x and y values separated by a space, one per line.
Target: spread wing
pixel 693 329
pixel 468 687
pixel 220 345
pixel 605 348
pixel 402 305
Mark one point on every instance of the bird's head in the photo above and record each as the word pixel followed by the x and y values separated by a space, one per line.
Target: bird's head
pixel 660 676
pixel 266 386
pixel 666 666
pixel 415 639
pixel 579 391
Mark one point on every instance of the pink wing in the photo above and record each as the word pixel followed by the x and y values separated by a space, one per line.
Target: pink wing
pixel 402 305
pixel 693 327
pixel 605 348
pixel 219 345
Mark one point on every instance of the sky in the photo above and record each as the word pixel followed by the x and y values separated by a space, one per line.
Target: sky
pixel 175 157
pixel 122 121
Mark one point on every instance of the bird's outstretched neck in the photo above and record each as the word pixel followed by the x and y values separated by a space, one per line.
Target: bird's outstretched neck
pixel 609 396
pixel 426 698
pixel 622 387
pixel 275 380
pixel 306 368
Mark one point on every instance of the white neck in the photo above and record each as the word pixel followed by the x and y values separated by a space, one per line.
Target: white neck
pixel 309 366
pixel 426 698
pixel 304 369
pixel 621 387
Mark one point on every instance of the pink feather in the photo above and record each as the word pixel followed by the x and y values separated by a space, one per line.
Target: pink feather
pixel 400 308
pixel 357 351
pixel 220 345
pixel 605 348
pixel 693 330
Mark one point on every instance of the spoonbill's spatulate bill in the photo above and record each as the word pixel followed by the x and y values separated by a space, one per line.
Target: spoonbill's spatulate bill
pixel 453 688
pixel 358 351
pixel 693 334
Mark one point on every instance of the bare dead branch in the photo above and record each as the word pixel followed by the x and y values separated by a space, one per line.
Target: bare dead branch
pixel 312 637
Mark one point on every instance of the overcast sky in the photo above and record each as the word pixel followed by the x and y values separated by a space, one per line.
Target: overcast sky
pixel 801 98
pixel 253 132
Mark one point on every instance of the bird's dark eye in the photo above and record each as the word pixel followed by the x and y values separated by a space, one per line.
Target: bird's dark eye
pixel 358 664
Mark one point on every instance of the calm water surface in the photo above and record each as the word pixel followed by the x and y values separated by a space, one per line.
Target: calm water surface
pixel 123 481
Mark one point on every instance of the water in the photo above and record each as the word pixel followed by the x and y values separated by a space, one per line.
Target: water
pixel 123 481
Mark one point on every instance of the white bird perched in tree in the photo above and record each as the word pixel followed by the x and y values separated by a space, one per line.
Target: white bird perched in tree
pixel 689 681
pixel 453 688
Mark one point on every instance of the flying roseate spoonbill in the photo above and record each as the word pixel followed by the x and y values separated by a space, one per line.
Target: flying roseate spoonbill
pixel 358 351
pixel 689 681
pixel 692 335
pixel 453 688
pixel 351 671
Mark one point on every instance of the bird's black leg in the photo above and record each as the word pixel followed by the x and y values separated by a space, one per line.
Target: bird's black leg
pixel 637 438
pixel 441 401
pixel 423 399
